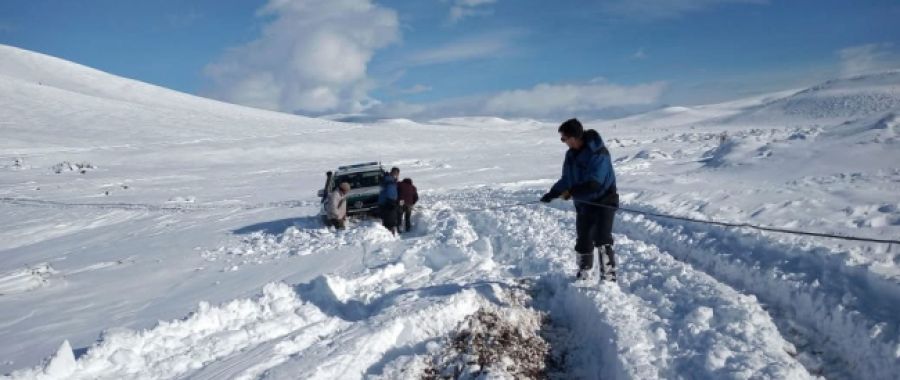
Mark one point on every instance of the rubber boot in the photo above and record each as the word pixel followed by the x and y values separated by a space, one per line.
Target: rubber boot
pixel 585 264
pixel 607 263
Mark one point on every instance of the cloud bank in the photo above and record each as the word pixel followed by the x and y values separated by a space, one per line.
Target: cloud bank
pixel 665 9
pixel 473 47
pixel 868 58
pixel 545 100
pixel 311 57
pixel 468 8
pixel 548 99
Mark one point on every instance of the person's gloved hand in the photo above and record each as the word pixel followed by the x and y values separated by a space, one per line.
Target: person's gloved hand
pixel 548 197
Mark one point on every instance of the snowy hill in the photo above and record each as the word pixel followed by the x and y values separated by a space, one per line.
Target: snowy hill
pixel 79 106
pixel 29 67
pixel 836 100
pixel 146 233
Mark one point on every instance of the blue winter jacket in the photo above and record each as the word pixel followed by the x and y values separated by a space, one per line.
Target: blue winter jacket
pixel 388 194
pixel 587 173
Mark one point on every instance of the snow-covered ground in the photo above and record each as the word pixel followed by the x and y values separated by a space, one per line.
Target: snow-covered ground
pixel 146 233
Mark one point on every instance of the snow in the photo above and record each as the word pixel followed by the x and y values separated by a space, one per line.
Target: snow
pixel 169 236
pixel 25 280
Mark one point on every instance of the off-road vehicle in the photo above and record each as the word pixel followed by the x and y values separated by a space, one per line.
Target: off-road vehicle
pixel 365 184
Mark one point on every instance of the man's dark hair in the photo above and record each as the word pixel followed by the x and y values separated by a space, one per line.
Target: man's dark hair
pixel 571 128
pixel 395 170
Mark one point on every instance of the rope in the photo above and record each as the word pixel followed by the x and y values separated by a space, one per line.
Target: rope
pixel 745 225
pixel 295 203
pixel 175 207
pixel 890 242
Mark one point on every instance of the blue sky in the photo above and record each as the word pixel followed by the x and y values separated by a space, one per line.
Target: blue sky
pixel 433 58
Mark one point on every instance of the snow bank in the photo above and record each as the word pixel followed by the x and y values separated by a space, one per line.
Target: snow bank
pixel 846 313
pixel 175 348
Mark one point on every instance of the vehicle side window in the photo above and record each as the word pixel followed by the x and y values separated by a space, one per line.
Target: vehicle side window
pixel 357 180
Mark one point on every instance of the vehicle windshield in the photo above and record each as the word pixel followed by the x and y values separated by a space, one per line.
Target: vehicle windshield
pixel 362 179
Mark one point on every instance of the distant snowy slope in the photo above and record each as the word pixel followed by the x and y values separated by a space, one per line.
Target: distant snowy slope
pixel 676 116
pixel 44 96
pixel 36 68
pixel 485 121
pixel 835 100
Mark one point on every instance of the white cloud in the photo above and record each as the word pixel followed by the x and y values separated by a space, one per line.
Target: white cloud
pixel 547 99
pixel 416 89
pixel 664 9
pixel 484 46
pixel 639 54
pixel 311 58
pixel 468 8
pixel 594 98
pixel 868 58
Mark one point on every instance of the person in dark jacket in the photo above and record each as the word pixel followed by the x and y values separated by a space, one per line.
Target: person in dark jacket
pixel 388 200
pixel 588 178
pixel 408 198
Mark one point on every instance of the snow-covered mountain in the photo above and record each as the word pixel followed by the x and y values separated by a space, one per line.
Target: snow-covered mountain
pixel 147 233
pixel 837 100
pixel 58 104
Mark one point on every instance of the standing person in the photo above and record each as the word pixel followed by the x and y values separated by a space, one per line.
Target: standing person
pixel 336 208
pixel 588 178
pixel 388 202
pixel 408 198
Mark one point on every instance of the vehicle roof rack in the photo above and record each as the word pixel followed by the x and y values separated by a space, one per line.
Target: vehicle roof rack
pixel 355 166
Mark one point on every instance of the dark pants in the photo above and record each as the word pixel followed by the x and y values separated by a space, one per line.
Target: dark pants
pixel 405 216
pixel 593 228
pixel 337 223
pixel 389 215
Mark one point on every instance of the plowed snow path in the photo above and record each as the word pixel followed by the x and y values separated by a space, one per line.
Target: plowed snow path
pixel 843 319
pixel 665 319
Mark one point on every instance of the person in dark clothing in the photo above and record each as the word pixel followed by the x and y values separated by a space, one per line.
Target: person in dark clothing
pixel 408 198
pixel 388 200
pixel 588 178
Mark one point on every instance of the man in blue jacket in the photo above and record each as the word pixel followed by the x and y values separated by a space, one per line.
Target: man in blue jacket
pixel 588 178
pixel 388 203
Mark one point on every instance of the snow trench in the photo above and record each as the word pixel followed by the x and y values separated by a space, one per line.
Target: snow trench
pixel 842 318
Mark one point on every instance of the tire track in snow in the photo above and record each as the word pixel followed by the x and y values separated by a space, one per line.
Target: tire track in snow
pixel 667 319
pixel 841 319
pixel 613 335
pixel 716 323
pixel 610 328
